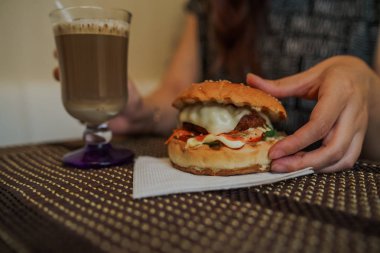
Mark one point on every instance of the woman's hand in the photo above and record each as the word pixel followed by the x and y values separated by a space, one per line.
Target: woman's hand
pixel 155 114
pixel 56 74
pixel 135 117
pixel 56 69
pixel 150 115
pixel 131 120
pixel 342 86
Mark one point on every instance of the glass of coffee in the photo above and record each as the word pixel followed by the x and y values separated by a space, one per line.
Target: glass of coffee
pixel 92 47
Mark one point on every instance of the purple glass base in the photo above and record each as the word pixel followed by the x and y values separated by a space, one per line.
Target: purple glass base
pixel 96 156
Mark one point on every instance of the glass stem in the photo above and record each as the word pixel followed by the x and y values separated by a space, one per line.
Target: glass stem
pixel 97 134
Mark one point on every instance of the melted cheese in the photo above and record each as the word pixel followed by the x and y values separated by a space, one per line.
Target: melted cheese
pixel 216 118
pixel 193 142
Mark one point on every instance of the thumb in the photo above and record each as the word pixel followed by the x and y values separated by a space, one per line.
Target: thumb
pixel 295 85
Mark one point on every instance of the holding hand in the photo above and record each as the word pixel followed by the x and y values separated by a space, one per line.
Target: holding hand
pixel 131 120
pixel 342 87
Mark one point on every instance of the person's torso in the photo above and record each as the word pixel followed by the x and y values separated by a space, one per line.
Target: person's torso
pixel 301 33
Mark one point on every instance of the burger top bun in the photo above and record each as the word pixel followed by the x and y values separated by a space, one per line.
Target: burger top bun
pixel 225 92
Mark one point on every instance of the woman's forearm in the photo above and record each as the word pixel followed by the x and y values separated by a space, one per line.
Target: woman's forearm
pixel 154 113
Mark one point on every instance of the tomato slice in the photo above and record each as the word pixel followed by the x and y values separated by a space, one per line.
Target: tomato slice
pixel 255 138
pixel 232 137
pixel 180 134
pixel 200 137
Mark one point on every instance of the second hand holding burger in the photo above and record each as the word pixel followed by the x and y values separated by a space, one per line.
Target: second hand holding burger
pixel 224 129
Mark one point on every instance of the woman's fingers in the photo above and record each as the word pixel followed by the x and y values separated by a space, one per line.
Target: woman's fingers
pixel 349 158
pixel 305 84
pixel 134 117
pixel 56 69
pixel 359 116
pixel 56 74
pixel 119 124
pixel 340 117
pixel 322 120
pixel 296 85
pixel 338 155
pixel 339 148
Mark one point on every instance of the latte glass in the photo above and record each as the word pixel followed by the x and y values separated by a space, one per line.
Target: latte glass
pixel 92 47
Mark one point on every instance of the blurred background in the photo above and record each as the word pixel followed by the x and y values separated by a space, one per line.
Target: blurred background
pixel 30 101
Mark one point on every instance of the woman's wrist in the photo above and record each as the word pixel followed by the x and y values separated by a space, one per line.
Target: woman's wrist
pixel 146 118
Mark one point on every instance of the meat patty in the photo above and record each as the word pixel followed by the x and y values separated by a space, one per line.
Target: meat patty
pixel 250 121
pixel 194 128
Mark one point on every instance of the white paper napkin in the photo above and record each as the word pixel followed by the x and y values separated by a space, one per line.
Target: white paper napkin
pixel 156 176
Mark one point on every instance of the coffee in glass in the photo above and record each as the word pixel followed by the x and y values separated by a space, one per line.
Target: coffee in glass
pixel 92 47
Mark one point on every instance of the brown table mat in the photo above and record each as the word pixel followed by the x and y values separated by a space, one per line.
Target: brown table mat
pixel 45 207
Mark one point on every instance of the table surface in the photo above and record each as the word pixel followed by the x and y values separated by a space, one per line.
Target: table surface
pixel 45 207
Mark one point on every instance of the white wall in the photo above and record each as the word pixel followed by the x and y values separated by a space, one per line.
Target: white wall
pixel 30 104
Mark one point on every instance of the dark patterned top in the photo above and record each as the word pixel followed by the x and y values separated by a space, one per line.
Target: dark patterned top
pixel 301 33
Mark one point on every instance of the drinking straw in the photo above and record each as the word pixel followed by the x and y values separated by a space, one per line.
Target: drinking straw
pixel 60 6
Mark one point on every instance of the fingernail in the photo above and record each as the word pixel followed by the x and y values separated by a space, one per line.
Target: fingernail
pixel 249 76
pixel 276 154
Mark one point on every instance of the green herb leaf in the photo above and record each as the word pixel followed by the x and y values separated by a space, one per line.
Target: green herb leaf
pixel 270 133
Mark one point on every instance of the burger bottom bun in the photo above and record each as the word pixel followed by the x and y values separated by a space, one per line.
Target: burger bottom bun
pixel 203 160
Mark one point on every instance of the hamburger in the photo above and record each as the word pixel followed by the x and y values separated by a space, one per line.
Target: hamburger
pixel 224 129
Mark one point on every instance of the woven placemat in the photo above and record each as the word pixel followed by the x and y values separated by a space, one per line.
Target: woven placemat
pixel 44 205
